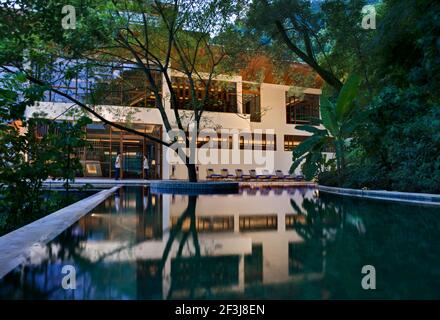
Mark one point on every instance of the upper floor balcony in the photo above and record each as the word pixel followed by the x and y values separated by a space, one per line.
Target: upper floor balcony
pixel 126 85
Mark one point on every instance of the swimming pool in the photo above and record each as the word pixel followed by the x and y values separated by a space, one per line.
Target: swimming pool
pixel 261 243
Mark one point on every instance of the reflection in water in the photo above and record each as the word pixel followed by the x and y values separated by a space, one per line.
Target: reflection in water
pixel 289 244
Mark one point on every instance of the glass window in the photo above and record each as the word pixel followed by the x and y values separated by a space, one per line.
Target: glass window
pixel 264 141
pixel 111 84
pixel 253 265
pixel 259 222
pixel 251 101
pixel 292 141
pixel 301 110
pixel 222 95
pixel 125 85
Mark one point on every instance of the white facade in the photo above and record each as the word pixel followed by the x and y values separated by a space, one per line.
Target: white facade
pixel 273 106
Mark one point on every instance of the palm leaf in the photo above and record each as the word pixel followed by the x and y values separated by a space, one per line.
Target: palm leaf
pixel 296 163
pixel 295 207
pixel 346 96
pixel 310 166
pixel 351 124
pixel 311 129
pixel 306 146
pixel 328 116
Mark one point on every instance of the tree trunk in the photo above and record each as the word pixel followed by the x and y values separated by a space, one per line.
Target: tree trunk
pixel 192 172
pixel 326 75
pixel 190 212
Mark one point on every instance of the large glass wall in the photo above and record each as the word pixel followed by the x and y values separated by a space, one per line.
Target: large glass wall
pixel 121 84
pixel 251 101
pixel 106 142
pixel 301 110
pixel 222 95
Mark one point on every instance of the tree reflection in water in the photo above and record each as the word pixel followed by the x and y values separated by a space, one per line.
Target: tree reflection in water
pixel 176 230
pixel 316 249
pixel 42 279
pixel 329 229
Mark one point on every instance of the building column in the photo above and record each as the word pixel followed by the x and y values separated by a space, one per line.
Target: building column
pixel 239 96
pixel 281 222
pixel 236 223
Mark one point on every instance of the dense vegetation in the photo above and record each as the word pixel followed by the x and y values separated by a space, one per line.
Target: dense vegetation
pixel 395 143
pixel 27 159
pixel 398 147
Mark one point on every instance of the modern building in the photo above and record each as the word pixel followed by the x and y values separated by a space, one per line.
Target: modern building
pixel 253 110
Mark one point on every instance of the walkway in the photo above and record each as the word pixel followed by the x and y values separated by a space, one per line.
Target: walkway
pixel 106 182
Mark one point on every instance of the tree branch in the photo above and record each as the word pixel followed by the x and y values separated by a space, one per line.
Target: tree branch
pixel 88 108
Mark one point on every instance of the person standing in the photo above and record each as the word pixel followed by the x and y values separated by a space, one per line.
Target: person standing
pixel 117 166
pixel 146 167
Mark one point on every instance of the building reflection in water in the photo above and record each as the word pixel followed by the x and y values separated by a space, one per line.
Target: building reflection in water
pixel 140 245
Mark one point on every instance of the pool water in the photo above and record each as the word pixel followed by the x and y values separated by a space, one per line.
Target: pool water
pixel 261 243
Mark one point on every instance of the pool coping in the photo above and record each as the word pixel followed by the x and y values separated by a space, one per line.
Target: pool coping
pixel 16 246
pixel 200 187
pixel 396 196
pixel 98 182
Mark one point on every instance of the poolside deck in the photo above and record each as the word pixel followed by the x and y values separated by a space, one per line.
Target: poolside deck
pixel 99 182
pixel 105 182
pixel 277 184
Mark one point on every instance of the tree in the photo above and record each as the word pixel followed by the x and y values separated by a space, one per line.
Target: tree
pixel 297 26
pixel 65 139
pixel 326 35
pixel 156 36
pixel 28 159
pixel 398 145
pixel 339 120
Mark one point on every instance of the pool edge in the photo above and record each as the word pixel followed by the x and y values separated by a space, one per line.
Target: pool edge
pixel 16 246
pixel 383 195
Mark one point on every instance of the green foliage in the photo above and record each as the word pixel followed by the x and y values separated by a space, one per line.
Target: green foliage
pixel 394 126
pixel 65 139
pixel 399 144
pixel 27 160
pixel 346 46
pixel 345 106
pixel 402 138
pixel 25 163
pixel 326 35
pixel 339 121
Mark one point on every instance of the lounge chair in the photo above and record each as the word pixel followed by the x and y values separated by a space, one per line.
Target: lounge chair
pixel 210 175
pixel 225 174
pixel 269 175
pixel 280 175
pixel 240 176
pixel 253 174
